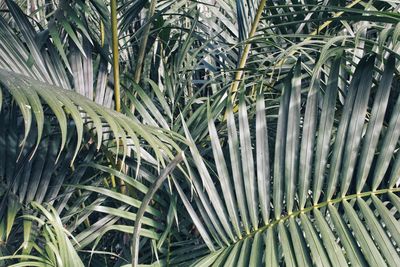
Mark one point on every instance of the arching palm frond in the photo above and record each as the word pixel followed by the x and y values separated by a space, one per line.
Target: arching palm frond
pixel 312 189
pixel 291 124
pixel 29 94
pixel 82 194
pixel 58 250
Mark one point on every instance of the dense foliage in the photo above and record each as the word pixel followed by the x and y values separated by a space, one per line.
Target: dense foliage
pixel 199 133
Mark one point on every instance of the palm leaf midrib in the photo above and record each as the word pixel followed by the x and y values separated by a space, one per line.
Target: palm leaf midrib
pixel 320 205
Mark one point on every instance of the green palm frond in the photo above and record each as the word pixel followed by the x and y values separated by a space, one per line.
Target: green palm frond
pixel 37 170
pixel 58 249
pixel 285 194
pixel 289 109
pixel 81 195
pixel 28 94
pixel 49 134
pixel 29 60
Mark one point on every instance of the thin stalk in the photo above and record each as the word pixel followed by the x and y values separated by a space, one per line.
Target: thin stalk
pixel 337 14
pixel 320 28
pixel 143 42
pixel 117 96
pixel 146 201
pixel 115 55
pixel 319 206
pixel 246 50
pixel 102 34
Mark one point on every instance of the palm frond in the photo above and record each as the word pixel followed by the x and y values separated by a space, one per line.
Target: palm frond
pixel 28 94
pixel 328 174
pixel 58 249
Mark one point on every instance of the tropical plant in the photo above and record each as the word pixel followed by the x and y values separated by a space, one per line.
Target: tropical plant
pixel 319 189
pixel 245 133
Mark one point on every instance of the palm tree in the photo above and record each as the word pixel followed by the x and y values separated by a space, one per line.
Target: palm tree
pixel 245 133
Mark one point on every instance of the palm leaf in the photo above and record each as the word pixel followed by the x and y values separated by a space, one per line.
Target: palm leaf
pixel 74 104
pixel 58 249
pixel 335 202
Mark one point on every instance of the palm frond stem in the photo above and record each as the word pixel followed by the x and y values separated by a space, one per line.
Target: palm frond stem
pixel 319 206
pixel 246 50
pixel 115 53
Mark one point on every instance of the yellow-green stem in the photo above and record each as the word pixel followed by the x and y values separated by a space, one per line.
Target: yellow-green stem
pixel 320 205
pixel 115 54
pixel 320 28
pixel 337 14
pixel 246 50
pixel 102 33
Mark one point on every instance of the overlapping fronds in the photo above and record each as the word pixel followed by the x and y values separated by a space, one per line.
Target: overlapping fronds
pixel 29 94
pixel 311 189
pixel 289 108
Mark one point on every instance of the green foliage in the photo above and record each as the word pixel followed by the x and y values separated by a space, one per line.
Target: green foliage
pixel 311 183
pixel 251 133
